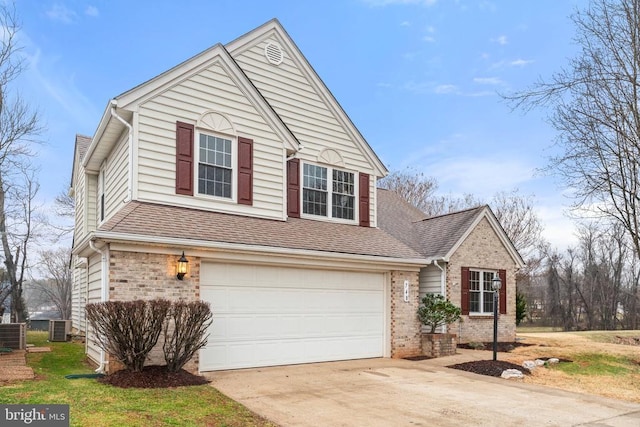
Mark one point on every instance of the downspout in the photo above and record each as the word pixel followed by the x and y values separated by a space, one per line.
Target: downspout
pixel 103 293
pixel 114 113
pixel 443 290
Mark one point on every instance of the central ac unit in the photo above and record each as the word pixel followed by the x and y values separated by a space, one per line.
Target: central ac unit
pixel 13 335
pixel 58 330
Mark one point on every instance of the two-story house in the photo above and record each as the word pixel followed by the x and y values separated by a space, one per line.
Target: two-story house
pixel 241 159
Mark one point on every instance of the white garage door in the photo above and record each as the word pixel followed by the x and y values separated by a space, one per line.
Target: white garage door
pixel 266 316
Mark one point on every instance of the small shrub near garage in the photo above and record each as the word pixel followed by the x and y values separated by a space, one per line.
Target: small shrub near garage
pixel 129 330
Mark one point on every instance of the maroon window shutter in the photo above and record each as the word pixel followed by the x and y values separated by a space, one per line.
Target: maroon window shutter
pixel 464 285
pixel 364 200
pixel 184 158
pixel 502 274
pixel 245 171
pixel 293 188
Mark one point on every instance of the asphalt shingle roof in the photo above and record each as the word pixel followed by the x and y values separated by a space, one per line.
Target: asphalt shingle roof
pixel 82 144
pixel 149 219
pixel 433 237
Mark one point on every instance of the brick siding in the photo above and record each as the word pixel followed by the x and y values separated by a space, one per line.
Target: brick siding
pixel 405 326
pixel 147 276
pixel 482 249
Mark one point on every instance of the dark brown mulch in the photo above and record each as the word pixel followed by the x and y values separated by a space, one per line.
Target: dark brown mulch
pixel 503 347
pixel 154 376
pixel 491 368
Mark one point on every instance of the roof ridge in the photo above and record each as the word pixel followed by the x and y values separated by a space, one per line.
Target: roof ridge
pixel 455 212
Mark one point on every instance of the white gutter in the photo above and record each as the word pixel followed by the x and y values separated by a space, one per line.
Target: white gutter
pixel 114 113
pixel 293 156
pixel 295 253
pixel 103 294
pixel 443 290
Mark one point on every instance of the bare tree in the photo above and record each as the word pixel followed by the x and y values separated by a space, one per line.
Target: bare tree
pixel 413 186
pixel 420 191
pixel 595 104
pixel 55 287
pixel 18 127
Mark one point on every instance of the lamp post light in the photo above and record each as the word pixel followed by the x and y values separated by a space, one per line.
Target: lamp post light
pixel 496 284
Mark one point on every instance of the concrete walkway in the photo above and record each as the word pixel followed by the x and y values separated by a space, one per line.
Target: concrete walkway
pixel 392 392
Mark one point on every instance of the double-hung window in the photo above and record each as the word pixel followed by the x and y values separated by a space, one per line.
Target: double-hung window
pixel 215 173
pixel 480 292
pixel 328 192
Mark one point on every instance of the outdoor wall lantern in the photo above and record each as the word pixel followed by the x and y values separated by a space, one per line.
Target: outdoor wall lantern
pixel 183 262
pixel 496 284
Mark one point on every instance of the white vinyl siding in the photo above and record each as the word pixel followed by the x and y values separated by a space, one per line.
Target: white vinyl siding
pixel 80 197
pixel 93 296
pixel 78 295
pixel 302 108
pixel 116 177
pixel 210 90
pixel 430 283
pixel 299 105
pixel 91 188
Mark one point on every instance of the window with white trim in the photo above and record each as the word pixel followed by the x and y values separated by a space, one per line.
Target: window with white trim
pixel 480 292
pixel 215 170
pixel 328 192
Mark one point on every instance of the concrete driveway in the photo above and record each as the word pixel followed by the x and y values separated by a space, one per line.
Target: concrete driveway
pixel 391 392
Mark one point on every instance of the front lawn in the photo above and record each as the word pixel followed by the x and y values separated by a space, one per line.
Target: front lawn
pixel 95 404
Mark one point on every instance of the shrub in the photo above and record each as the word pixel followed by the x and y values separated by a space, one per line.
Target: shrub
pixel 437 311
pixel 128 329
pixel 184 332
pixel 521 307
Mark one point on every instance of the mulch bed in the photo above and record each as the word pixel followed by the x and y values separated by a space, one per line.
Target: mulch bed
pixel 154 376
pixel 491 368
pixel 503 347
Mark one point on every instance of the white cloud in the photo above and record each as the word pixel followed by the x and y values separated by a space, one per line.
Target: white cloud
pixel 515 63
pixel 446 88
pixel 61 13
pixel 502 40
pixel 405 24
pixel 488 81
pixel 429 39
pixel 91 11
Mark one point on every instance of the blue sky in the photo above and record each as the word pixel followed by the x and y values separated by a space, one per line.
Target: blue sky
pixel 419 78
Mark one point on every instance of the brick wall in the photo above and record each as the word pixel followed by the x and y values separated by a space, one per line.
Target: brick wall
pixel 146 276
pixel 483 250
pixel 405 326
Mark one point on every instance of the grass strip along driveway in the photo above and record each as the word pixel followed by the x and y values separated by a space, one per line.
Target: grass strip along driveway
pixel 96 404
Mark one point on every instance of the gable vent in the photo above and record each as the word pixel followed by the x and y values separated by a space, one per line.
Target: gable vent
pixel 273 52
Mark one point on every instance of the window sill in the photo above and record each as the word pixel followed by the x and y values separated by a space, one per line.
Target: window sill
pixel 481 315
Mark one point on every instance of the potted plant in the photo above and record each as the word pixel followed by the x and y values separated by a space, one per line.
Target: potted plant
pixel 437 311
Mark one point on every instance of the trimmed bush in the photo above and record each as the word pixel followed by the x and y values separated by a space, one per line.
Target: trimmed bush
pixel 128 330
pixel 184 332
pixel 437 311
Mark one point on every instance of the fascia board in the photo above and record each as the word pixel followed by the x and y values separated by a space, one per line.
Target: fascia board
pixel 411 263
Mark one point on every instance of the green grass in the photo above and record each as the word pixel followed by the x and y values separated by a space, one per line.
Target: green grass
pixel 599 364
pixel 95 404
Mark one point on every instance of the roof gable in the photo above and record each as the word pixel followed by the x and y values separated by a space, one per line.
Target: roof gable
pixel 217 54
pixel 436 237
pixel 274 30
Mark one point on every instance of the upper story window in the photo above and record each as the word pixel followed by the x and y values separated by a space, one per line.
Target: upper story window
pixel 480 292
pixel 215 171
pixel 327 190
